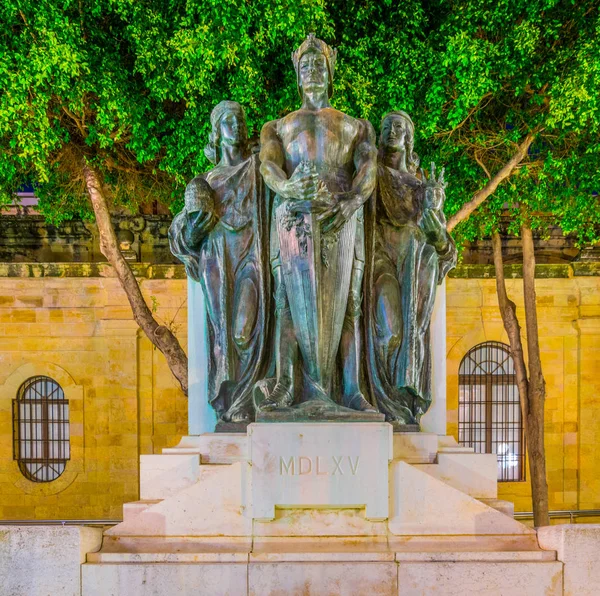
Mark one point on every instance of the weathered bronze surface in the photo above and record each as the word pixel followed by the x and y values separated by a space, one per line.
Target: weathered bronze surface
pixel 410 253
pixel 321 165
pixel 222 237
pixel 331 191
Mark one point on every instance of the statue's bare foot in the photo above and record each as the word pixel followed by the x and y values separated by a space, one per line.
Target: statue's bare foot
pixel 402 419
pixel 280 397
pixel 236 415
pixel 239 417
pixel 359 403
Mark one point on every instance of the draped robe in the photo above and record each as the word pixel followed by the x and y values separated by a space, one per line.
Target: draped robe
pixel 227 252
pixel 397 322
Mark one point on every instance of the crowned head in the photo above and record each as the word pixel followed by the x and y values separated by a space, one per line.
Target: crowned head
pixel 314 62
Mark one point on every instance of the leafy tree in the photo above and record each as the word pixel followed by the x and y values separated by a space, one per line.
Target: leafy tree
pixel 524 108
pixel 504 94
pixel 110 99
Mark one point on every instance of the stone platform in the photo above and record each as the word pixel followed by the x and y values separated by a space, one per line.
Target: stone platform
pixel 320 508
pixel 342 565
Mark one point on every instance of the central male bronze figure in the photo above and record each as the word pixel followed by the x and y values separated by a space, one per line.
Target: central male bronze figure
pixel 322 166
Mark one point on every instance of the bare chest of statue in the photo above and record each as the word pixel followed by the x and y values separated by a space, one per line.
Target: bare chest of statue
pixel 325 137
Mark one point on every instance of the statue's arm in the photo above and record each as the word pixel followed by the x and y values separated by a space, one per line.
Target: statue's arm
pixel 197 227
pixel 446 251
pixel 365 163
pixel 363 183
pixel 272 158
pixel 301 185
pixel 187 233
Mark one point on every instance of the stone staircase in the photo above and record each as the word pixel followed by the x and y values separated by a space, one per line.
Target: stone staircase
pixel 192 531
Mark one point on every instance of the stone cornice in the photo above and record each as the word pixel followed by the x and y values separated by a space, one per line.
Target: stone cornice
pixel 38 270
pixel 542 271
pixel 158 271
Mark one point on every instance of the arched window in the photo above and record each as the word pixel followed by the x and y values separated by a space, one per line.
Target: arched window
pixel 41 429
pixel 489 412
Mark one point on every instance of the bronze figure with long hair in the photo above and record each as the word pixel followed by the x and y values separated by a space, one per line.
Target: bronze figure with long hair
pixel 410 253
pixel 222 237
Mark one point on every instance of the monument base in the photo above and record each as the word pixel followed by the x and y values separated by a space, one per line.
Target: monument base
pixel 399 427
pixel 320 508
pixel 319 411
pixel 231 427
pixel 328 566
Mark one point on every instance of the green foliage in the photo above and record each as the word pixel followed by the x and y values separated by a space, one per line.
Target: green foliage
pixel 129 85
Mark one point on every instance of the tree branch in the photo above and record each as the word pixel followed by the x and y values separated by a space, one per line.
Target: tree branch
pixel 78 123
pixel 158 334
pixel 471 112
pixel 481 195
pixel 482 165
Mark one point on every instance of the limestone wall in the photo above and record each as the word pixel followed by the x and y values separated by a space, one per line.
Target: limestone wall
pixel 123 400
pixel 578 547
pixel 73 323
pixel 568 299
pixel 39 561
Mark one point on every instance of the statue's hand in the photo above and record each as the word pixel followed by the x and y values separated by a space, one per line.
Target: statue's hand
pixel 321 202
pixel 198 225
pixel 202 219
pixel 434 229
pixel 339 213
pixel 302 184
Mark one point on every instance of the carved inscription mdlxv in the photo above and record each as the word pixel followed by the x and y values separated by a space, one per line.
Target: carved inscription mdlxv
pixel 318 466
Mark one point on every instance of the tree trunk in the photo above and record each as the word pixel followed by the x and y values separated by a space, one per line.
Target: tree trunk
pixel 481 195
pixel 508 310
pixel 537 388
pixel 532 390
pixel 158 334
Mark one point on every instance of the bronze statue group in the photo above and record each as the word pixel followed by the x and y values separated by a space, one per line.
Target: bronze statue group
pixel 318 257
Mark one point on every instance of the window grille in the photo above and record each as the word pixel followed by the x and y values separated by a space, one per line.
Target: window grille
pixel 489 412
pixel 41 429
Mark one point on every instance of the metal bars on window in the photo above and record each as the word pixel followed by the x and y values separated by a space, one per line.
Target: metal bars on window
pixel 41 429
pixel 489 411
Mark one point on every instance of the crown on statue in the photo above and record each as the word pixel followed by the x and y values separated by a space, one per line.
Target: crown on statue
pixel 314 43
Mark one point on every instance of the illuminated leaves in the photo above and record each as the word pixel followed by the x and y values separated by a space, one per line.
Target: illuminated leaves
pixel 129 86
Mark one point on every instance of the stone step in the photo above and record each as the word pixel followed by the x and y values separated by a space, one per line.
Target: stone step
pixel 457 449
pixel 488 565
pixel 294 557
pixel 312 578
pixel 213 448
pixel 474 556
pixel 224 550
pixel 472 473
pixel 415 448
pixel 130 510
pixel 506 507
pixel 424 505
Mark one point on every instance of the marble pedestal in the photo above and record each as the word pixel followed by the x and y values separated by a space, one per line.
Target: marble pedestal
pixel 317 465
pixel 266 514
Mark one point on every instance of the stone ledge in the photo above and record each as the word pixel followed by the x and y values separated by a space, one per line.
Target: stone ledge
pixel 89 270
pixel 168 272
pixel 486 575
pixel 542 271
